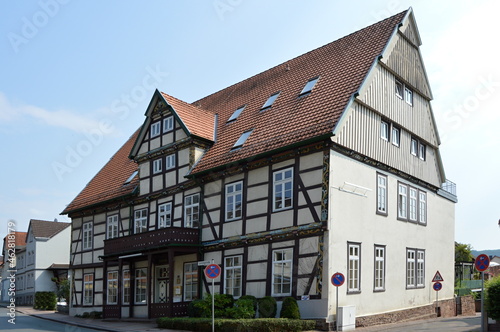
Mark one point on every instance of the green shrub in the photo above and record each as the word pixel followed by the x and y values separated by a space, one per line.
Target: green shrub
pixel 267 307
pixel 290 308
pixel 193 309
pixel 243 308
pixel 253 299
pixel 492 298
pixel 203 308
pixel 45 301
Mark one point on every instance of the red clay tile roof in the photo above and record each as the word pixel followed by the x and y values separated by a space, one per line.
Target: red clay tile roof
pixel 342 66
pixel 199 122
pixel 46 229
pixel 109 182
pixel 20 239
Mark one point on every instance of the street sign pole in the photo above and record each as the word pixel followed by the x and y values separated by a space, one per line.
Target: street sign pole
pixel 337 280
pixel 482 301
pixel 482 263
pixel 337 311
pixel 213 303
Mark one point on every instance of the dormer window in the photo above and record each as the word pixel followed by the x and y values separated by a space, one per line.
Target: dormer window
pixel 236 113
pixel 270 101
pixel 239 143
pixel 155 129
pixel 168 124
pixel 309 86
pixel 131 177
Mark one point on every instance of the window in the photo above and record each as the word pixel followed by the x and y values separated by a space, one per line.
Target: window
pixel 408 96
pixel 354 267
pixel 140 221
pixel 413 204
pixel 192 211
pixel 415 268
pixel 234 195
pixel 190 281
pixel 87 236
pixel 395 136
pixel 232 276
pixel 236 113
pixel 422 211
pixel 131 177
pixel 157 166
pixel 168 124
pixel 155 129
pixel 243 138
pixel 165 215
pixel 379 273
pixel 270 101
pixel 381 194
pixel 140 285
pixel 170 161
pixel 399 89
pixel 414 147
pixel 31 257
pixel 88 289
pixel 402 201
pixel 309 86
pixel 112 287
pixel 421 151
pixel 384 130
pixel 282 272
pixel 282 189
pixel 112 227
pixel 126 287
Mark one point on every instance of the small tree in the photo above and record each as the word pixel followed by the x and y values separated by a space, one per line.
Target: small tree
pixel 267 307
pixel 290 308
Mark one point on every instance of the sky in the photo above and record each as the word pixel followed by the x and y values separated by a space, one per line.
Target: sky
pixel 76 78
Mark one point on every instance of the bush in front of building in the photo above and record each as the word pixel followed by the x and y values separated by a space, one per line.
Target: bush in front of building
pixel 203 308
pixel 243 308
pixel 45 301
pixel 240 325
pixel 267 307
pixel 290 308
pixel 254 301
pixel 492 298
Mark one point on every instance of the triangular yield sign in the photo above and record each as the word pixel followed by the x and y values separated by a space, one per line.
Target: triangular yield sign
pixel 437 277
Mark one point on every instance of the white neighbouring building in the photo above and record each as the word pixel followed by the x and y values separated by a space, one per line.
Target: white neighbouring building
pixel 326 163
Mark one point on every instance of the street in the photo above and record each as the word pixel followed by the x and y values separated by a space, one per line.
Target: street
pixel 27 323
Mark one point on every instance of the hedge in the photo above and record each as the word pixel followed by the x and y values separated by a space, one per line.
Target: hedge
pixel 45 301
pixel 240 325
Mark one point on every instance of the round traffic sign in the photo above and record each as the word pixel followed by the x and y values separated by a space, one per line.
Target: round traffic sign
pixel 212 271
pixel 338 279
pixel 437 286
pixel 482 262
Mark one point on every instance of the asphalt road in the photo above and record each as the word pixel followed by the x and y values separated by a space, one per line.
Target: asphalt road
pixel 25 323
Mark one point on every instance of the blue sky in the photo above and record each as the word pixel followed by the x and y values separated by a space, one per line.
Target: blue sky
pixel 76 78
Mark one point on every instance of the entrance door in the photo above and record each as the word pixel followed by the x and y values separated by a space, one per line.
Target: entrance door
pixel 161 284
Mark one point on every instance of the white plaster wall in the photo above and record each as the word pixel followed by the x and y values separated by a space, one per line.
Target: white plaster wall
pixel 353 218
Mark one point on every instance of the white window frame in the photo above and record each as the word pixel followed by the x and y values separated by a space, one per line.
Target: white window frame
pixel 414 147
pixel 140 286
pixel 88 289
pixel 157 166
pixel 282 269
pixel 382 194
pixel 126 287
pixel 396 136
pixel 413 204
pixel 415 268
pixel 112 289
pixel 408 96
pixel 170 161
pixel 112 226
pixel 168 124
pixel 422 207
pixel 140 221
pixel 87 236
pixel 155 129
pixel 190 281
pixel 165 215
pixel 410 267
pixel 354 267
pixel 421 151
pixel 379 269
pixel 234 201
pixel 399 89
pixel 192 211
pixel 402 201
pixel 283 184
pixel 233 272
pixel 384 130
pixel 420 276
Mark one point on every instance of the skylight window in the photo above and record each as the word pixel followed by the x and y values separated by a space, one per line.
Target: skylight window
pixel 236 113
pixel 239 143
pixel 270 101
pixel 309 86
pixel 131 177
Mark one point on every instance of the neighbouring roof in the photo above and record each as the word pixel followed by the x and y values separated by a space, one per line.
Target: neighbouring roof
pixel 342 66
pixel 55 266
pixel 46 229
pixel 111 181
pixel 20 239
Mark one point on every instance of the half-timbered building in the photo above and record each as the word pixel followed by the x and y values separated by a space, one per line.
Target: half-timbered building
pixel 326 163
